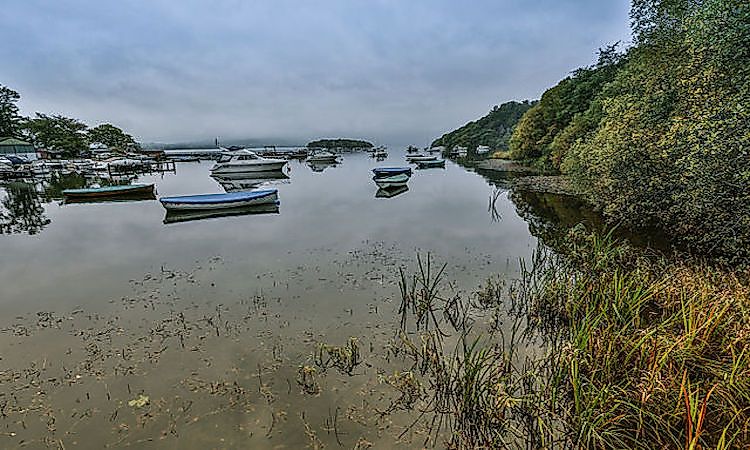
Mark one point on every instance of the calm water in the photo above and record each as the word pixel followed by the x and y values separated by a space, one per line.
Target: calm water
pixel 212 319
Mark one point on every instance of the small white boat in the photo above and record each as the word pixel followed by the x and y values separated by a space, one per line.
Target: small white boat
pixel 323 156
pixel 220 201
pixel 244 161
pixel 391 181
pixel 420 157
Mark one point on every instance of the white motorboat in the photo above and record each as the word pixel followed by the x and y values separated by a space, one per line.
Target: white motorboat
pixel 420 157
pixel 322 156
pixel 244 161
pixel 236 182
pixel 391 181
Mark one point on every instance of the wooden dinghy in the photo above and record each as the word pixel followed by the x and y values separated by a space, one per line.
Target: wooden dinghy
pixel 129 190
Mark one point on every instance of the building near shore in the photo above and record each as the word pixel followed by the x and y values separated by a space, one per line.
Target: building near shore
pixel 13 146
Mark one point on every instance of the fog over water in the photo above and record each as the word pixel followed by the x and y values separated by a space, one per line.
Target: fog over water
pixel 393 72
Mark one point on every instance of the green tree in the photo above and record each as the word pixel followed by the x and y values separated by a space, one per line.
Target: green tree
pixel 543 133
pixel 671 148
pixel 54 132
pixel 111 136
pixel 493 130
pixel 10 120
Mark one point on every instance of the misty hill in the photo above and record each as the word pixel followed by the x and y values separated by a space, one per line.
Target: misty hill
pixel 493 130
pixel 339 143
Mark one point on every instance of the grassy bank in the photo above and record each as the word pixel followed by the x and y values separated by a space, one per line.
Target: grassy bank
pixel 628 350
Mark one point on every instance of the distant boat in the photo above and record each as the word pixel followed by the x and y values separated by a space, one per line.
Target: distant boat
pixel 420 157
pixel 243 161
pixel 391 181
pixel 110 191
pixel 220 201
pixel 391 192
pixel 380 153
pixel 322 156
pixel 319 166
pixel 190 215
pixel 390 171
pixel 429 164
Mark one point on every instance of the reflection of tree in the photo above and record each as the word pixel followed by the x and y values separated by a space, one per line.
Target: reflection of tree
pixel 59 182
pixel 550 216
pixel 22 211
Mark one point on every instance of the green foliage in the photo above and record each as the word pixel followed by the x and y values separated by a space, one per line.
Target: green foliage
pixel 54 132
pixel 10 120
pixel 671 148
pixel 493 130
pixel 547 130
pixel 111 136
pixel 339 143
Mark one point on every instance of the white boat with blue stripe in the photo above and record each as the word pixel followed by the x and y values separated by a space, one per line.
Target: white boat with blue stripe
pixel 220 201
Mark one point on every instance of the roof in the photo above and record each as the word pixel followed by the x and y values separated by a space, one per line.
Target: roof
pixel 12 141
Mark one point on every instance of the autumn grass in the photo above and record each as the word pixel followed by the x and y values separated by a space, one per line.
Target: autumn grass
pixel 637 351
pixel 657 354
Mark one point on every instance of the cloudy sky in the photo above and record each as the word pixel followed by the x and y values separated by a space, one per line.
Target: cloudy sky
pixel 392 71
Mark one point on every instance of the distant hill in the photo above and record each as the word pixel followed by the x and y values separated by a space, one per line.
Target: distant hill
pixel 339 143
pixel 493 130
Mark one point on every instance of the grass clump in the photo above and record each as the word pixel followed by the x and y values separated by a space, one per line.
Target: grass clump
pixel 658 352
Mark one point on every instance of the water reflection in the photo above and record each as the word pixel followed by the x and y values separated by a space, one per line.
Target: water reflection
pixel 237 182
pixel 391 192
pixel 22 210
pixel 187 216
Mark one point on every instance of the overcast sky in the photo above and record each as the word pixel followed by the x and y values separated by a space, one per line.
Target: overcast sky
pixel 392 71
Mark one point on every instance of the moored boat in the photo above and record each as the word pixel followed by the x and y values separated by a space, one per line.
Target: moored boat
pixel 322 156
pixel 243 161
pixel 429 164
pixel 390 171
pixel 220 201
pixel 391 181
pixel 420 157
pixel 110 191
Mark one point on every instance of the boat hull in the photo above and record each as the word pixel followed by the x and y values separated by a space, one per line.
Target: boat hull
pixel 110 192
pixel 220 201
pixel 421 158
pixel 248 168
pixel 430 164
pixel 384 172
pixel 391 182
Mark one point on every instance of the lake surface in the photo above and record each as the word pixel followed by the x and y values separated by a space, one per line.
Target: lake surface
pixel 117 328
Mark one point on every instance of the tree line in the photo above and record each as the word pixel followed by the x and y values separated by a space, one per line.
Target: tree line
pixel 56 132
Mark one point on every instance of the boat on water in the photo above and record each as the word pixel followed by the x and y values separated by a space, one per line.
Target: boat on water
pixel 430 164
pixel 110 191
pixel 390 171
pixel 322 156
pixel 391 181
pixel 380 153
pixel 420 157
pixel 319 166
pixel 174 216
pixel 220 201
pixel 391 192
pixel 244 161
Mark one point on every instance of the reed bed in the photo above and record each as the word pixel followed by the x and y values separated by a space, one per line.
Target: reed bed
pixel 634 351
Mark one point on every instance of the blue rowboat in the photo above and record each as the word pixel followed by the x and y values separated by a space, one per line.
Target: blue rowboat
pixel 391 171
pixel 110 191
pixel 220 201
pixel 391 181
